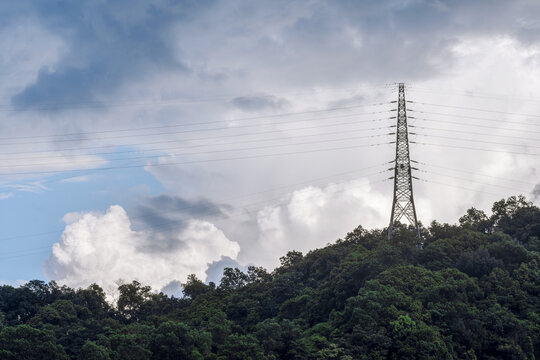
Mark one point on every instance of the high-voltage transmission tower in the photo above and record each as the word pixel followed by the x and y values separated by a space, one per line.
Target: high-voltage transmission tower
pixel 403 204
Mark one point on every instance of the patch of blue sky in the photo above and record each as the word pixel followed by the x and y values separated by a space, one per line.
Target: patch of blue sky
pixel 29 213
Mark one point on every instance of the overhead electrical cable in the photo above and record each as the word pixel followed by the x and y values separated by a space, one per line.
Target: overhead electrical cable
pixel 193 130
pixel 223 200
pixel 34 251
pixel 472 140
pixel 474 181
pixel 45 106
pixel 196 161
pixel 473 94
pixel 203 138
pixel 457 186
pixel 474 133
pixel 195 146
pixel 193 123
pixel 472 173
pixel 147 157
pixel 459 116
pixel 473 125
pixel 473 148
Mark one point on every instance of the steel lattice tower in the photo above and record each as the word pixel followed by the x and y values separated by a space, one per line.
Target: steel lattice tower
pixel 403 204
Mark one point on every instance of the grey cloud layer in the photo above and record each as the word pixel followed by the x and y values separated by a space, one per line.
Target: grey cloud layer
pixel 168 215
pixel 308 43
pixel 108 44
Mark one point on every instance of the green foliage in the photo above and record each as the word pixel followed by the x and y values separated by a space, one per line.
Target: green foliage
pixel 92 351
pixel 131 299
pixel 175 340
pixel 194 287
pixel 241 347
pixel 477 263
pixel 24 342
pixel 472 292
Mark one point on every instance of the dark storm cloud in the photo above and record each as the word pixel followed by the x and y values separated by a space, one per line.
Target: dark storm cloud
pixel 108 43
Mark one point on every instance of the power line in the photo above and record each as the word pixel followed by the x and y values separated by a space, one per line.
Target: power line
pixel 224 199
pixel 473 125
pixel 474 109
pixel 473 173
pixel 21 253
pixel 27 254
pixel 473 133
pixel 472 148
pixel 258 140
pixel 196 130
pixel 458 187
pixel 473 140
pixel 193 153
pixel 44 106
pixel 196 161
pixel 474 118
pixel 198 139
pixel 35 251
pixel 193 123
pixel 172 222
pixel 470 93
pixel 473 181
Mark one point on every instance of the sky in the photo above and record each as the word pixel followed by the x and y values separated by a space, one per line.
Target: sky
pixel 150 140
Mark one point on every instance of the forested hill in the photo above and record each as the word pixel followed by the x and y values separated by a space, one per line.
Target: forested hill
pixel 472 292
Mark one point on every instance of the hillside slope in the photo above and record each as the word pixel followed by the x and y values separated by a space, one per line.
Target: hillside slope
pixel 472 292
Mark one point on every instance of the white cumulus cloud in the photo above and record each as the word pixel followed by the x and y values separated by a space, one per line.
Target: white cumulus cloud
pixel 103 248
pixel 315 216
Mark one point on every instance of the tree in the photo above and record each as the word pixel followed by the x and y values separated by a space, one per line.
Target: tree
pixel 131 299
pixel 129 346
pixel 477 220
pixel 92 298
pixel 291 259
pixel 175 340
pixel 24 342
pixel 93 351
pixel 241 347
pixel 233 279
pixel 194 287
pixel 477 263
pixel 509 252
pixel 416 340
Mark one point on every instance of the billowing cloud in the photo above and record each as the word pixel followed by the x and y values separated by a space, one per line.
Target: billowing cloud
pixel 315 216
pixel 103 248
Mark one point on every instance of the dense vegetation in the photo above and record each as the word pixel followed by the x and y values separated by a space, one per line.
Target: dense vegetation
pixel 471 292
